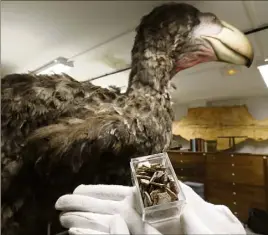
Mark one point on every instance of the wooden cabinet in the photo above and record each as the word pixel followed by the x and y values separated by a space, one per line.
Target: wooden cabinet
pixel 239 181
pixel 238 198
pixel 243 169
pixel 188 166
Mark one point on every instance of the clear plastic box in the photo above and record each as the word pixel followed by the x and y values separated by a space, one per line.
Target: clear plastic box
pixel 162 212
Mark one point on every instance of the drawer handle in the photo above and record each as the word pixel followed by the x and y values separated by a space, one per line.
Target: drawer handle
pixel 233 183
pixel 234 203
pixel 236 213
pixel 233 174
pixel 181 160
pixel 233 164
pixel 234 193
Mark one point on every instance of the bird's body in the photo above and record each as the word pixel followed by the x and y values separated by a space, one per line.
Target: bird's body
pixel 58 133
pixel 120 127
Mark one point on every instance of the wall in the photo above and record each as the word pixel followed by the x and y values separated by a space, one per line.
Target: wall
pixel 257 106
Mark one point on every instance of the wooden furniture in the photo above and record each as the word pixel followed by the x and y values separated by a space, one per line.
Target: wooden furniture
pixel 189 166
pixel 239 181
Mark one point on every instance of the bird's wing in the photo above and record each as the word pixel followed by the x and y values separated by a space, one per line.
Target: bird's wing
pixel 58 151
pixel 72 144
pixel 29 102
pixel 114 130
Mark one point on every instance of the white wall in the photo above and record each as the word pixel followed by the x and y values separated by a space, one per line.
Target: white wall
pixel 257 106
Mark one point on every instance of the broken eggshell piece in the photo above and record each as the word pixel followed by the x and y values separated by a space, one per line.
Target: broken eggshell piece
pixel 158 194
pixel 156 185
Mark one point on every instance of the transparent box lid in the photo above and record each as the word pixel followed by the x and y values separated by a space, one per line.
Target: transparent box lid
pixel 158 195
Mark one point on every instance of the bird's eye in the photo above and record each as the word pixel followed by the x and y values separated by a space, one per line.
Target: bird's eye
pixel 208 17
pixel 213 18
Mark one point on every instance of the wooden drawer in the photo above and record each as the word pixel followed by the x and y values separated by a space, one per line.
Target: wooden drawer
pixel 241 169
pixel 219 193
pixel 239 160
pixel 238 198
pixel 186 158
pixel 196 171
pixel 188 165
pixel 191 178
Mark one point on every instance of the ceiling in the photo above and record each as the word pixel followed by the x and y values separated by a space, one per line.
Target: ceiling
pixel 98 37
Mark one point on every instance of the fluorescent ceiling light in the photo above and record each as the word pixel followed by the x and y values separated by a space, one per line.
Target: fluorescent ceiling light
pixel 57 66
pixel 264 72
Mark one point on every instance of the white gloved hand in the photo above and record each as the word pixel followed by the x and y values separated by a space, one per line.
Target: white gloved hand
pixel 110 209
pixel 102 209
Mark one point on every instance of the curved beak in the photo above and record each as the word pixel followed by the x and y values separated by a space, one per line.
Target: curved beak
pixel 231 45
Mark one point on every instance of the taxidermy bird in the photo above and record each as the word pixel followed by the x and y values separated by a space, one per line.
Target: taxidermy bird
pixel 58 133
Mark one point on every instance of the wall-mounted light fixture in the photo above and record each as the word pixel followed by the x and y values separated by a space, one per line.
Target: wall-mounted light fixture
pixel 57 66
pixel 263 69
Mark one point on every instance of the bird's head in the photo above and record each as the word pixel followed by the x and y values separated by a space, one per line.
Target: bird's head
pixel 184 36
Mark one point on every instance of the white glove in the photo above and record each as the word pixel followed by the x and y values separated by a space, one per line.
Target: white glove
pixel 102 209
pixel 110 209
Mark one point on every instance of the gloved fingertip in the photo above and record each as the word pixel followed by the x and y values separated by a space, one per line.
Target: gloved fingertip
pixel 68 201
pixel 79 188
pixel 64 221
pixel 60 202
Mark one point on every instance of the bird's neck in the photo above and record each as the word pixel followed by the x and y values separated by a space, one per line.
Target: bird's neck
pixel 150 74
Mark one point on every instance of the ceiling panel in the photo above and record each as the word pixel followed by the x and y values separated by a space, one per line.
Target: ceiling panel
pixel 35 32
pixel 231 11
pixel 263 39
pixel 260 9
pixel 109 57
